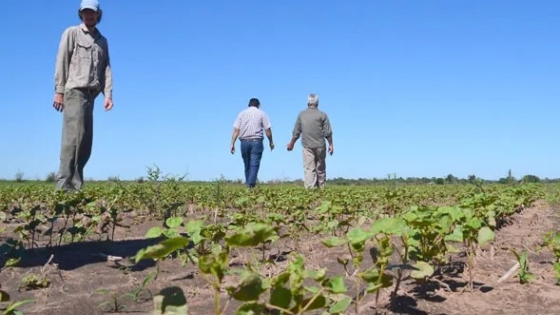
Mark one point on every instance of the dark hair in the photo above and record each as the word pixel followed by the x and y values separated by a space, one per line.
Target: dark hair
pixel 98 18
pixel 254 102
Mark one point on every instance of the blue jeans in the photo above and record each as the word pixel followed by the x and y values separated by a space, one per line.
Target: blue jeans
pixel 251 152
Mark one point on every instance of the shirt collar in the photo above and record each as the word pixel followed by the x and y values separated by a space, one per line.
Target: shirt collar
pixel 85 29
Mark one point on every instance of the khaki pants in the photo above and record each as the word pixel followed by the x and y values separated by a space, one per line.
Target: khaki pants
pixel 77 138
pixel 314 167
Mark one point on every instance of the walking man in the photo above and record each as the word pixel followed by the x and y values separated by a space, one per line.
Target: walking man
pixel 314 127
pixel 82 72
pixel 248 126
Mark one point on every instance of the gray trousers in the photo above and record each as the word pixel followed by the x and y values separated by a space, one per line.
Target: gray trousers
pixel 314 167
pixel 77 138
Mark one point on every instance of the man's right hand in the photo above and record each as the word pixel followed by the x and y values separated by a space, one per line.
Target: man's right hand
pixel 58 102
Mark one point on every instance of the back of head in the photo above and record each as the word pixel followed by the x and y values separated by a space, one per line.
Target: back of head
pixel 254 102
pixel 313 100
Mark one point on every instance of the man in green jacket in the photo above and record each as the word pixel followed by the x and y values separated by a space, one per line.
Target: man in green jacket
pixel 314 127
pixel 82 72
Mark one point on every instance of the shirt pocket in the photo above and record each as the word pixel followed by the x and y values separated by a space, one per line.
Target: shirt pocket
pixel 83 51
pixel 82 63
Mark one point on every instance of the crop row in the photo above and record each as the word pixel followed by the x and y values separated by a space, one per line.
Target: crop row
pixel 409 233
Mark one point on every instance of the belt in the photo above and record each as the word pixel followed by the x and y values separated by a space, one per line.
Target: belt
pixel 252 139
pixel 89 90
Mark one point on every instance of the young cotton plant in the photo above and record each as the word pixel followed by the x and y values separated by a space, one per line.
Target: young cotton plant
pixel 376 276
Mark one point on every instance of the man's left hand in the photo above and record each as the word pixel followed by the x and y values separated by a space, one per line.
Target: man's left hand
pixel 108 104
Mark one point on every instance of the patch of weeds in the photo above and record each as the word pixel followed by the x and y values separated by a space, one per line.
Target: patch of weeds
pixel 525 276
pixel 114 305
pixel 136 292
pixel 33 282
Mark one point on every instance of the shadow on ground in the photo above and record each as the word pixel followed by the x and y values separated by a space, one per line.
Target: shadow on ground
pixel 76 255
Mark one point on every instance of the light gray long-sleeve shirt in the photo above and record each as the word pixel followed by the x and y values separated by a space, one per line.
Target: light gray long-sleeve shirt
pixel 313 126
pixel 83 61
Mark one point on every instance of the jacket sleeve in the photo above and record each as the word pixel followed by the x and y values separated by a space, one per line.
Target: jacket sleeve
pixel 327 130
pixel 63 57
pixel 297 128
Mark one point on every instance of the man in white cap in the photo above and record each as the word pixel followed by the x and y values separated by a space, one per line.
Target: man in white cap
pixel 82 72
pixel 314 127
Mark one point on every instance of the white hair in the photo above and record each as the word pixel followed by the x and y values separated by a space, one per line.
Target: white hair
pixel 313 99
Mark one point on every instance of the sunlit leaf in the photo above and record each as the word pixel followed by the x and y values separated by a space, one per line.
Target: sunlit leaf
pixel 424 270
pixel 485 235
pixel 174 222
pixel 340 306
pixel 163 249
pixel 154 232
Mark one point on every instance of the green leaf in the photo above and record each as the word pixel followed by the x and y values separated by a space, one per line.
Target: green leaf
pixel 336 285
pixel 313 289
pixel 316 275
pixel 452 249
pixel 11 262
pixel 485 235
pixel 456 235
pixel 334 241
pixel 194 226
pixel 196 238
pixel 281 297
pixel 281 279
pixel 456 213
pixel 372 276
pixel 340 306
pixel 373 287
pixel 358 236
pixel 491 217
pixel 252 235
pixel 170 233
pixel 474 223
pixel 424 270
pixel 13 307
pixel 324 207
pixel 242 201
pixel 163 249
pixel 174 222
pixel 215 263
pixel 154 232
pixel 318 303
pixel 251 308
pixel 389 225
pixel 250 288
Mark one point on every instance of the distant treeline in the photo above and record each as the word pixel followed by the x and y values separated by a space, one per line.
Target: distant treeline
pixel 339 181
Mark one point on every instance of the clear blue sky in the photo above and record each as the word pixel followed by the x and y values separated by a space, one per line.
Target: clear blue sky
pixel 415 88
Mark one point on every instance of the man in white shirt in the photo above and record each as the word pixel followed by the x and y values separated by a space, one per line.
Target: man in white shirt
pixel 249 126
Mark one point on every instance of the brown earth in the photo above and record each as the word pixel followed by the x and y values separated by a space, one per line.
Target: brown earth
pixel 78 270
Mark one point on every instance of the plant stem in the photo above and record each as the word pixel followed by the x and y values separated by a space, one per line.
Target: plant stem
pixel 278 308
pixel 217 299
pixel 225 306
pixel 404 259
pixel 311 302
